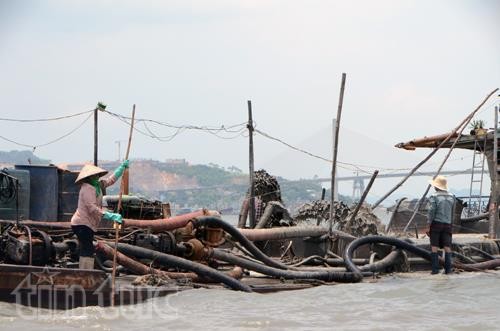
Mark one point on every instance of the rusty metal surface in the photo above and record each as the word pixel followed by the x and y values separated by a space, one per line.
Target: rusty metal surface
pixel 165 224
pixel 60 288
pixel 15 276
pixel 465 141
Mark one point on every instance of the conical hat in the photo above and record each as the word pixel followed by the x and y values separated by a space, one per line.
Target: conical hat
pixel 90 170
pixel 440 182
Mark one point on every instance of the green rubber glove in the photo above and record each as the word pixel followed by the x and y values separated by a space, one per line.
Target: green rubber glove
pixel 113 217
pixel 119 171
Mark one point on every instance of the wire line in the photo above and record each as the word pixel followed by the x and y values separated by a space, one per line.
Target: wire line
pixel 45 119
pixel 34 147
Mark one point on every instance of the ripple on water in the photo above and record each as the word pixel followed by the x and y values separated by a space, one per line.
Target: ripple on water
pixel 458 302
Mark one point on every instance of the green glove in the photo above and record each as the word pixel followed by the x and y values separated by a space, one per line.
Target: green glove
pixel 119 171
pixel 108 216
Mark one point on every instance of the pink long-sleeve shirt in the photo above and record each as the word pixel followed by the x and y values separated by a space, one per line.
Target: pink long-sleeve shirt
pixel 89 211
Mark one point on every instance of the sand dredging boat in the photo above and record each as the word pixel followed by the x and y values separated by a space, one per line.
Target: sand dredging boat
pixel 324 244
pixel 200 250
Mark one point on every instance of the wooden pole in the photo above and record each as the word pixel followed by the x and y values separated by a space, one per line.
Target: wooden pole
pixel 335 146
pixel 117 228
pixel 434 150
pixel 125 180
pixel 251 205
pixel 492 231
pixel 95 135
pixel 363 197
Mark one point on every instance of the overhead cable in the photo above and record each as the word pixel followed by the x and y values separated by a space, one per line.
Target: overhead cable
pixel 45 119
pixel 34 147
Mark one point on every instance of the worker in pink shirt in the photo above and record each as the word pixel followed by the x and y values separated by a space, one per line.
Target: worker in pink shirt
pixel 90 212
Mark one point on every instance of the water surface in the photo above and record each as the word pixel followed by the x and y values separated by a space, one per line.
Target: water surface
pixel 468 301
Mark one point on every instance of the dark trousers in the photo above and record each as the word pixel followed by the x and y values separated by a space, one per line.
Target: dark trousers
pixel 440 235
pixel 85 237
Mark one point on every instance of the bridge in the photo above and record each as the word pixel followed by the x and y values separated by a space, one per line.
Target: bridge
pixel 396 175
pixel 359 181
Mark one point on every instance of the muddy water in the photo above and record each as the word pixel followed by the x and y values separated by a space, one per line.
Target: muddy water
pixel 469 301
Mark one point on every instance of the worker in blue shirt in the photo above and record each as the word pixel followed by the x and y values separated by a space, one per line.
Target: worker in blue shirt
pixel 440 220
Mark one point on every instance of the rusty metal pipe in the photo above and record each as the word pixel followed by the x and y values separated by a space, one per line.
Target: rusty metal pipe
pixel 159 225
pixel 165 224
pixel 282 233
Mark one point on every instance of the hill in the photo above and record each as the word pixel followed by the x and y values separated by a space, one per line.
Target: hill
pixel 21 157
pixel 211 186
pixel 187 185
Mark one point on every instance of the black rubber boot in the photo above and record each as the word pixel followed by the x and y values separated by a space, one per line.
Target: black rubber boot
pixel 434 263
pixel 448 263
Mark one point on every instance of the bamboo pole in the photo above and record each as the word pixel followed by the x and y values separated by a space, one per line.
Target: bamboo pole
pixel 335 149
pixel 96 111
pixel 450 135
pixel 117 228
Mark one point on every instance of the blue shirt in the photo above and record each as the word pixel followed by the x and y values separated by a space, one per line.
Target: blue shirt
pixel 441 208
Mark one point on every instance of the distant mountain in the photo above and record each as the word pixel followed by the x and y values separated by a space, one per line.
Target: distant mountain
pixel 21 157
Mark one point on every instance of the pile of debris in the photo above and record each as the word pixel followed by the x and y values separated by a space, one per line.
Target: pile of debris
pixel 365 222
pixel 269 208
pixel 319 210
pixel 266 186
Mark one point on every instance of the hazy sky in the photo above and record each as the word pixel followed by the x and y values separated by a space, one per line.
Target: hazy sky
pixel 414 68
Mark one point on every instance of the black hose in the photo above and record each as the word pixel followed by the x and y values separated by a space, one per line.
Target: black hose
pixel 410 248
pixel 100 263
pixel 380 240
pixel 177 262
pixel 308 260
pixel 379 266
pixel 238 236
pixel 483 253
pixel 325 275
pixel 389 260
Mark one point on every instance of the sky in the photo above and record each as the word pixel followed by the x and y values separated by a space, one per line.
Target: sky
pixel 414 68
